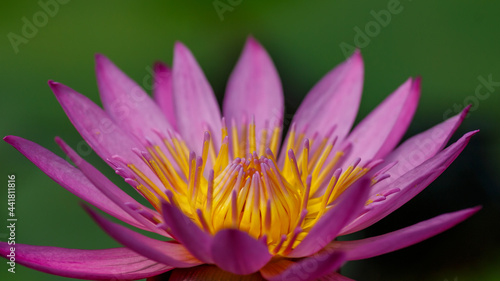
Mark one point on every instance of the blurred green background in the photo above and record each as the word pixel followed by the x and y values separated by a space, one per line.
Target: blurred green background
pixel 451 44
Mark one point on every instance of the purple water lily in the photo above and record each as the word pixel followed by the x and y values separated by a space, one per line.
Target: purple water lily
pixel 230 203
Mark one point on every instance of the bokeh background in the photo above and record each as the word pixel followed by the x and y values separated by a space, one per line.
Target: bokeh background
pixel 453 45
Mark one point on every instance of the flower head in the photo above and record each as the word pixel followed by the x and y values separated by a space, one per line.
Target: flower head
pixel 230 201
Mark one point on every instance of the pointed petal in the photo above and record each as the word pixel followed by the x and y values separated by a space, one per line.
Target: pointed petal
pixel 419 148
pixel 334 100
pixel 403 120
pixel 237 252
pixel 382 244
pixel 381 130
pixel 117 263
pixel 208 273
pixel 410 184
pixel 165 252
pixel 310 268
pixel 71 178
pixel 162 92
pixel 96 127
pixel 195 105
pixel 109 189
pixel 127 103
pixel 349 206
pixel 185 231
pixel 254 88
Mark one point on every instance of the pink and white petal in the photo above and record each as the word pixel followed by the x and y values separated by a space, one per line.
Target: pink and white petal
pixel 97 128
pixel 166 252
pixel 162 92
pixel 237 252
pixel 382 244
pixel 254 88
pixel 196 108
pixel 419 148
pixel 310 268
pixel 71 178
pixel 127 103
pixel 334 100
pixel 185 231
pixel 379 132
pixel 110 190
pixel 349 205
pixel 207 273
pixel 410 184
pixel 108 264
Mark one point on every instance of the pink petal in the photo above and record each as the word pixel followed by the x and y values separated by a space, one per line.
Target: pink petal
pixel 207 273
pixel 185 231
pixel 382 244
pixel 310 268
pixel 108 264
pixel 254 88
pixel 334 100
pixel 349 206
pixel 196 108
pixel 237 252
pixel 410 184
pixel 165 252
pixel 109 189
pixel 127 103
pixel 419 148
pixel 96 127
pixel 162 92
pixel 71 178
pixel 381 130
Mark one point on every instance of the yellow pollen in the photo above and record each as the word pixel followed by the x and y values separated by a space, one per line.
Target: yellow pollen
pixel 243 186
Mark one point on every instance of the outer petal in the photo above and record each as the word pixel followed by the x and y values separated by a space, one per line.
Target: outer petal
pixel 196 108
pixel 254 88
pixel 162 92
pixel 334 100
pixel 127 103
pixel 379 245
pixel 349 206
pixel 101 133
pixel 114 193
pixel 207 273
pixel 310 268
pixel 71 178
pixel 410 184
pixel 108 264
pixel 188 233
pixel 382 129
pixel 165 252
pixel 419 148
pixel 235 251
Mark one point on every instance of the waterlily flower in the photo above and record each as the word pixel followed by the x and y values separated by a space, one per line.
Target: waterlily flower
pixel 232 204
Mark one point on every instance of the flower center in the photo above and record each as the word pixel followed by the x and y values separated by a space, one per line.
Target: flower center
pixel 247 188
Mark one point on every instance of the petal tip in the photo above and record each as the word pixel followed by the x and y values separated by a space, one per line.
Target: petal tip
pixel 160 67
pixel 253 43
pixel 57 87
pixel 180 48
pixel 7 138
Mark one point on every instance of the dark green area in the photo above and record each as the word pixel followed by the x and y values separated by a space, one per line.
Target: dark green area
pixel 451 44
